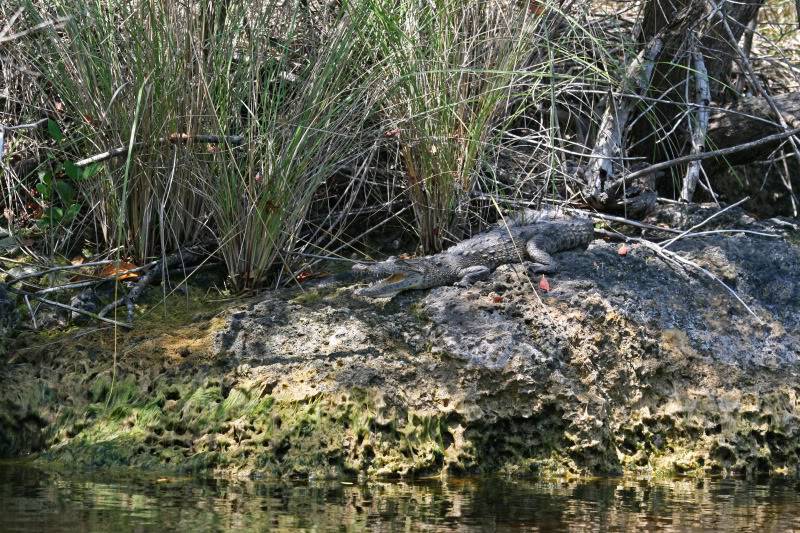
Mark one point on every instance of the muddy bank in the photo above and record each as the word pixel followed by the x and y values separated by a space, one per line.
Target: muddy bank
pixel 626 365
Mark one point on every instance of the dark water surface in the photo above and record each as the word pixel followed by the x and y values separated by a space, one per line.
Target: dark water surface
pixel 33 500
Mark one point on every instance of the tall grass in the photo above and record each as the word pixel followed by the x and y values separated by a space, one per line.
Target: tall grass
pixel 131 72
pixel 142 71
pixel 308 91
pixel 450 67
pixel 303 119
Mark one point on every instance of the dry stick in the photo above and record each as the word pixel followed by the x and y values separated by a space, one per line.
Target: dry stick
pixel 55 23
pixel 69 286
pixel 11 21
pixel 609 137
pixel 670 255
pixel 700 129
pixel 705 155
pixel 724 231
pixel 59 269
pixel 749 33
pixel 745 65
pixel 234 140
pixel 29 126
pixel 30 310
pixel 67 307
pixel 688 231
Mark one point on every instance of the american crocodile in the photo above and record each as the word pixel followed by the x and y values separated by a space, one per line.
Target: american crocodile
pixel 474 259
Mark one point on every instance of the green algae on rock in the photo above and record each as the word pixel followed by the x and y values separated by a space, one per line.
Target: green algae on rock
pixel 623 367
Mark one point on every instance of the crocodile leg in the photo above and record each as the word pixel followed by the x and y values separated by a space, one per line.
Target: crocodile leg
pixel 472 274
pixel 543 263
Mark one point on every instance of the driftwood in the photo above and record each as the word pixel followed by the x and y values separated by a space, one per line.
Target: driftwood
pixel 609 150
pixel 698 128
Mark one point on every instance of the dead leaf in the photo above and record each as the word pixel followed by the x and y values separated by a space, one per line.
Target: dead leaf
pixel 304 275
pixel 544 285
pixel 535 7
pixel 120 272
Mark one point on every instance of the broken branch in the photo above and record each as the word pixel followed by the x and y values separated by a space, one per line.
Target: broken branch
pixel 233 140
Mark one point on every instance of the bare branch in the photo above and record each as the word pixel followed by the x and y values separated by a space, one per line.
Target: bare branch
pixel 234 140
pixel 699 127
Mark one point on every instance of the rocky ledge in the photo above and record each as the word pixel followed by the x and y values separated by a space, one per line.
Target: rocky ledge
pixel 626 365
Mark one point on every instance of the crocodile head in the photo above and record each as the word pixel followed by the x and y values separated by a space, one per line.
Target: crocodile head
pixel 397 275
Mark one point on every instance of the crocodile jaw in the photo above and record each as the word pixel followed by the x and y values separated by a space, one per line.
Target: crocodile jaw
pixel 392 285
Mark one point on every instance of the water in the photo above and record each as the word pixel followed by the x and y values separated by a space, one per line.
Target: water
pixel 33 500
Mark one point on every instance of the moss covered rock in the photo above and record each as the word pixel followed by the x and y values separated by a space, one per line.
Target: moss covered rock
pixel 626 365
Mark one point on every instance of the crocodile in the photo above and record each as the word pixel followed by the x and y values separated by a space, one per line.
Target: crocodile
pixel 474 259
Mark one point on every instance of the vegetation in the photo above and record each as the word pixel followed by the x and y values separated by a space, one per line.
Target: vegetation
pixel 287 131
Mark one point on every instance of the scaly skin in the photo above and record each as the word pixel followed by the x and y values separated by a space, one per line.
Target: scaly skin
pixel 474 259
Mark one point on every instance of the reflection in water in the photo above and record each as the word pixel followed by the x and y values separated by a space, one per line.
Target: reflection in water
pixel 32 500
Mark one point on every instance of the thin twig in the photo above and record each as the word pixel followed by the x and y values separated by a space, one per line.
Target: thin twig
pixel 699 126
pixel 704 222
pixel 69 286
pixel 31 311
pixel 661 251
pixel 51 303
pixel 233 140
pixel 29 126
pixel 59 269
pixel 55 23
pixel 705 155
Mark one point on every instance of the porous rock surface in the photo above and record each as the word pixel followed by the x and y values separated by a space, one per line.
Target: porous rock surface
pixel 627 364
